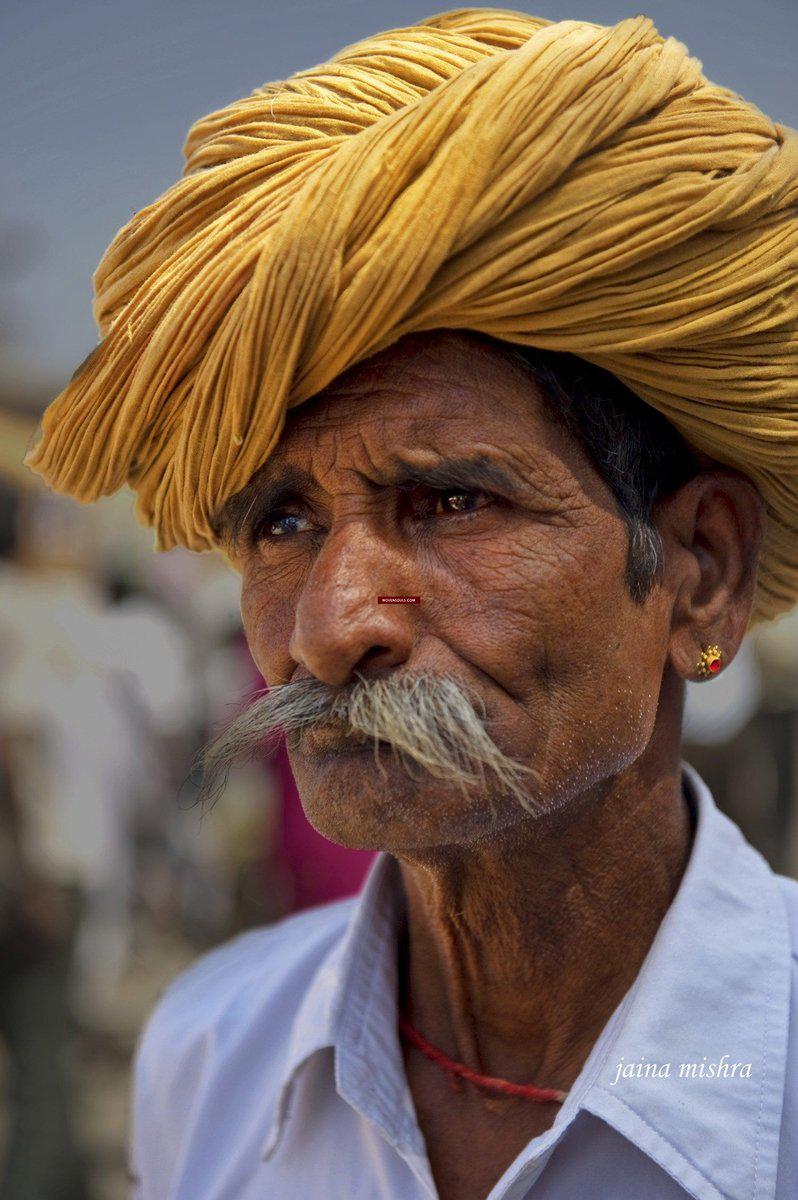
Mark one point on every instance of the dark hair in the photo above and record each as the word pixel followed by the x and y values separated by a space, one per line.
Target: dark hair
pixel 640 456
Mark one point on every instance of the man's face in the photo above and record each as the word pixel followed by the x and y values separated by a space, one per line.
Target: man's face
pixel 518 553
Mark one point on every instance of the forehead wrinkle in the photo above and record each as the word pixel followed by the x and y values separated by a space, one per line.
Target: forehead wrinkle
pixel 329 463
pixel 342 413
pixel 424 373
pixel 425 386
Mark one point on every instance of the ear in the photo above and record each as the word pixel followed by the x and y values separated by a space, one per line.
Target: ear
pixel 712 531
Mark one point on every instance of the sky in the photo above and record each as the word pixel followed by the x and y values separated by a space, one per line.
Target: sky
pixel 98 96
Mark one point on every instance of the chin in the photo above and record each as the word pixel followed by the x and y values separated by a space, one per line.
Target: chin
pixel 364 803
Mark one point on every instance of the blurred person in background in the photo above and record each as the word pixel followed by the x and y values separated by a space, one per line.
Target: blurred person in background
pixel 98 706
pixel 41 897
pixel 138 714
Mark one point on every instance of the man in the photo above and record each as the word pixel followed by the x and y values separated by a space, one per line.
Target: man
pixel 476 578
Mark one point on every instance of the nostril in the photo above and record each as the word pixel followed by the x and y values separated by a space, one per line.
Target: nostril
pixel 376 657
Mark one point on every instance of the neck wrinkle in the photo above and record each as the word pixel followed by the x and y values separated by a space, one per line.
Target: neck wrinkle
pixel 513 957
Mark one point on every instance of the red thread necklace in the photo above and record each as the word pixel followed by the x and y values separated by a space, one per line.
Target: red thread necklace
pixel 458 1071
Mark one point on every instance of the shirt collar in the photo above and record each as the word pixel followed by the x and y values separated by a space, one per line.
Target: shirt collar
pixel 715 982
pixel 351 1005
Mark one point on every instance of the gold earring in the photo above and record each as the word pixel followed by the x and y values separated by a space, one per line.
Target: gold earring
pixel 709 662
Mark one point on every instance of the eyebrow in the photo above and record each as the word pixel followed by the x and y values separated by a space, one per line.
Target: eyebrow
pixel 463 471
pixel 263 493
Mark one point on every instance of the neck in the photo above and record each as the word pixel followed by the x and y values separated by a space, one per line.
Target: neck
pixel 514 956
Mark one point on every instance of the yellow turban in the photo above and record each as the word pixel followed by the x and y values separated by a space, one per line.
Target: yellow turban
pixel 563 184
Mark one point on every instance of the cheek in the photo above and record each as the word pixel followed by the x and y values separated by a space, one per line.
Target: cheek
pixel 579 664
pixel 607 720
pixel 602 689
pixel 545 609
pixel 266 619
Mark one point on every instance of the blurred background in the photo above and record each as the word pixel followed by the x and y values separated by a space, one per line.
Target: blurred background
pixel 115 662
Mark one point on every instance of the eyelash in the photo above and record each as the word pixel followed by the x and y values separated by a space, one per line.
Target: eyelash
pixel 260 529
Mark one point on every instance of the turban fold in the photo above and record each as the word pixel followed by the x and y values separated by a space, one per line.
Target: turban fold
pixel 564 185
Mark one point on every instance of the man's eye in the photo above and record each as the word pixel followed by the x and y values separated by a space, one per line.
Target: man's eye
pixel 458 500
pixel 279 525
pixel 426 502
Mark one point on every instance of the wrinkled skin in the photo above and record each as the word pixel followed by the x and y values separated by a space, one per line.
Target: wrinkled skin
pixel 524 929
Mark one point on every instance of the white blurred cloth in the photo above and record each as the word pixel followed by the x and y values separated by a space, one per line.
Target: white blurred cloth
pixel 718 709
pixel 144 643
pixel 777 647
pixel 83 687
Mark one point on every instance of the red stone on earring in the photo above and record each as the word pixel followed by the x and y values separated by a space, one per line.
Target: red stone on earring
pixel 709 662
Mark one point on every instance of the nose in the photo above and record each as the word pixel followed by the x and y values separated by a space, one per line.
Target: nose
pixel 339 626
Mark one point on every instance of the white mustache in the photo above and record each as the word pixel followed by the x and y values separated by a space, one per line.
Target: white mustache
pixel 429 721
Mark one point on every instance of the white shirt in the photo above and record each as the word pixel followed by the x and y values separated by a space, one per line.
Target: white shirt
pixel 272 1069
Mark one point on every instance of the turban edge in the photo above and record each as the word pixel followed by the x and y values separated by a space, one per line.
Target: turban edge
pixel 564 185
